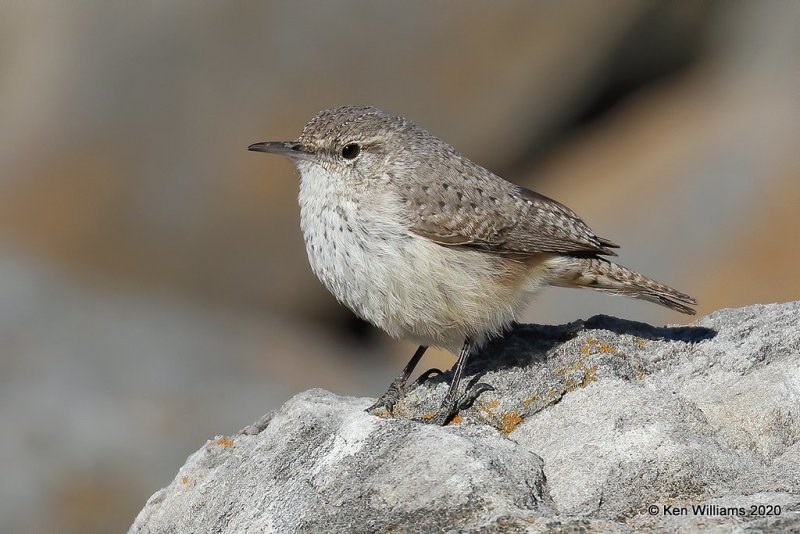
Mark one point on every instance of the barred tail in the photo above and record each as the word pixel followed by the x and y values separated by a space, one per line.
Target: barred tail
pixel 603 275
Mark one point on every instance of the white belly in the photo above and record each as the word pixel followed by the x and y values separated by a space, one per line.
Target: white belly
pixel 404 284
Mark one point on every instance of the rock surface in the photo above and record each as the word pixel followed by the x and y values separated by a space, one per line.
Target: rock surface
pixel 591 425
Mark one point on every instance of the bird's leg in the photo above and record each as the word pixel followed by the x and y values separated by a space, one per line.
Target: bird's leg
pixel 398 388
pixel 451 404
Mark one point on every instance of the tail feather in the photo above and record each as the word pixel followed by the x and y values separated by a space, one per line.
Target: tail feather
pixel 603 275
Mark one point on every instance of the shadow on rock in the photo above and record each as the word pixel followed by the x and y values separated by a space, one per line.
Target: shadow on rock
pixel 687 334
pixel 527 344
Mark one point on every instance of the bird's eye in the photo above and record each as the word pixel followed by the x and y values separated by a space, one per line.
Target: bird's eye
pixel 350 151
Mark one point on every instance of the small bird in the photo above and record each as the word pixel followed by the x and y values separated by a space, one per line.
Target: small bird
pixel 426 245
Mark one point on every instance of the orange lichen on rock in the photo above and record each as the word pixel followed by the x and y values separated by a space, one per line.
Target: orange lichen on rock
pixel 184 480
pixel 573 382
pixel 225 442
pixel 601 347
pixel 455 420
pixel 509 421
pixel 572 367
pixel 530 400
pixel 487 407
pixel 426 416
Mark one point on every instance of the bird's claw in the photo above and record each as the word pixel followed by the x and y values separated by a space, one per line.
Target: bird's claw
pixel 424 377
pixel 398 389
pixel 451 407
pixel 472 394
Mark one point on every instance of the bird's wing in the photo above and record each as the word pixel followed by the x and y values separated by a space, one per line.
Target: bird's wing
pixel 504 220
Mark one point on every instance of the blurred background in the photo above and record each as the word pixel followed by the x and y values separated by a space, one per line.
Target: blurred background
pixel 154 289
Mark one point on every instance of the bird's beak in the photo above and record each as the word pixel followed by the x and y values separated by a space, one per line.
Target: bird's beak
pixel 290 149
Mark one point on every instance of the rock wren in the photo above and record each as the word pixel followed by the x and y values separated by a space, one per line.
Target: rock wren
pixel 429 246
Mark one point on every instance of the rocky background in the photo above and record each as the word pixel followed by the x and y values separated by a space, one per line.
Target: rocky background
pixel 604 426
pixel 153 285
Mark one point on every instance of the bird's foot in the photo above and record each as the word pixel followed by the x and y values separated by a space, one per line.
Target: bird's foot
pixel 451 406
pixel 398 389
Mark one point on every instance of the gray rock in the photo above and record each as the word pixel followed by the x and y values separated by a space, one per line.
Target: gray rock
pixel 591 425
